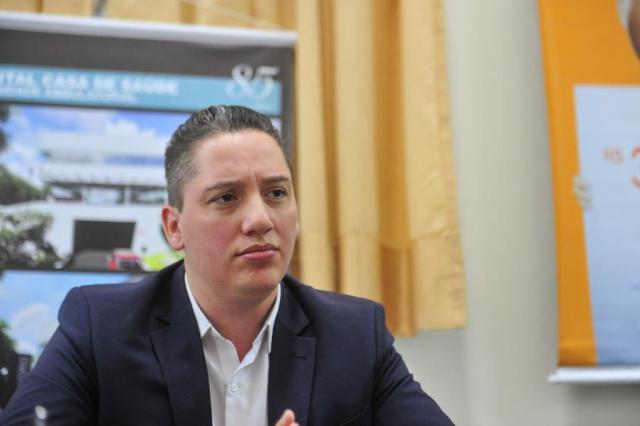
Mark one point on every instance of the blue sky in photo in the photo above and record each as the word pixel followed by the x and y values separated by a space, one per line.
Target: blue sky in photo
pixel 74 119
pixel 27 122
pixel 29 302
pixel 62 118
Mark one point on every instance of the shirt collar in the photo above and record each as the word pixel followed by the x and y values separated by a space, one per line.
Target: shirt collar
pixel 204 324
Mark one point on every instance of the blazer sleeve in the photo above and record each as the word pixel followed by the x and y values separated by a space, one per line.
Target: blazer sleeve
pixel 398 398
pixel 63 380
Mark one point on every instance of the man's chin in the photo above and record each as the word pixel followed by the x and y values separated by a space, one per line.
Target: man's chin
pixel 262 282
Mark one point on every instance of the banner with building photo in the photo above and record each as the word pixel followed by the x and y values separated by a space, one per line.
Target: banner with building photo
pixel 592 73
pixel 86 109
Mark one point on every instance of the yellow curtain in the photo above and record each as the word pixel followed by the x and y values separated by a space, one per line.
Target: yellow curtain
pixel 375 168
pixel 374 163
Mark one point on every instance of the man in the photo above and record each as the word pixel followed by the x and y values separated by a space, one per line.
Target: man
pixel 223 337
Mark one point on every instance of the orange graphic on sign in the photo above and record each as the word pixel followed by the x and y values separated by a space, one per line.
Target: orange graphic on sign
pixel 635 153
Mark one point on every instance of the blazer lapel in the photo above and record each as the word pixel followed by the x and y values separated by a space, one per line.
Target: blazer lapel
pixel 178 346
pixel 291 362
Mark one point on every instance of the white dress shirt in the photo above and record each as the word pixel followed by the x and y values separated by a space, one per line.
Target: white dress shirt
pixel 238 390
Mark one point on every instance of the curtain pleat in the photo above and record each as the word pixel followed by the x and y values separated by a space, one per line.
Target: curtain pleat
pixel 315 251
pixel 436 258
pixel 21 5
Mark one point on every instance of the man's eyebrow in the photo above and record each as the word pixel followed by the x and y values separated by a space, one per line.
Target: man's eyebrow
pixel 277 179
pixel 223 184
pixel 230 183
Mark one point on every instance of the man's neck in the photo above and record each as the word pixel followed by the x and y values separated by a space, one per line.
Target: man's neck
pixel 239 321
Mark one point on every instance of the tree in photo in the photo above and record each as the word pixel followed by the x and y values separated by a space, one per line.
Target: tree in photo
pixel 22 240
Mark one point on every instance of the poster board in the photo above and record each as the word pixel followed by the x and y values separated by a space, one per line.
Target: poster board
pixel 592 75
pixel 86 109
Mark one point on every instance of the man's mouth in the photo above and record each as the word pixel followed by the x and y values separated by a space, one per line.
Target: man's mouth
pixel 258 252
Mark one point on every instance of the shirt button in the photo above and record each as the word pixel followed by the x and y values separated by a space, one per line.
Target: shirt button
pixel 234 387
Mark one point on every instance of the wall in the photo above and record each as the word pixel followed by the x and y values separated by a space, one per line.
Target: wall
pixel 494 372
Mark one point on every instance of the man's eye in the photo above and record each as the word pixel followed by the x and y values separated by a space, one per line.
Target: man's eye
pixel 224 198
pixel 278 193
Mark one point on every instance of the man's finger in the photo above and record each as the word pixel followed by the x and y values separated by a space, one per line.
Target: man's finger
pixel 287 419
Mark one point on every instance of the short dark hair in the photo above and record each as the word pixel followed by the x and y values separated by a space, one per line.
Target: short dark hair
pixel 179 162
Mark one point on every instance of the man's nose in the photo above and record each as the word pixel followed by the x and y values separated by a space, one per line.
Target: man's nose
pixel 257 219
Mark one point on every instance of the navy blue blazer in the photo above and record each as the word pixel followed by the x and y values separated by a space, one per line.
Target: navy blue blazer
pixel 132 355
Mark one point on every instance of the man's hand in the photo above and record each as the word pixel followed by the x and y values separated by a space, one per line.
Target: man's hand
pixel 287 419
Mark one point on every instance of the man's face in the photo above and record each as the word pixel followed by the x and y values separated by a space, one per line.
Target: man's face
pixel 239 217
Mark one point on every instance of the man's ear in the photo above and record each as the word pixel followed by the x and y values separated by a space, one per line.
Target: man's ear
pixel 171 226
